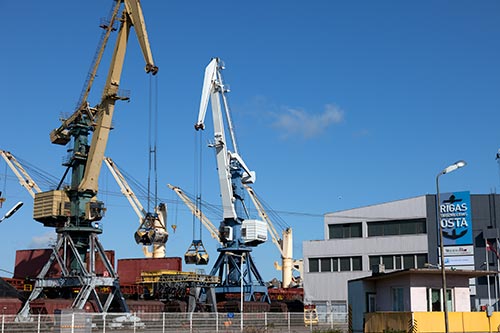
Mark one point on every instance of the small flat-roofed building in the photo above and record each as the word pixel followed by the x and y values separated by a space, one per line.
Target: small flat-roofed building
pixel 409 291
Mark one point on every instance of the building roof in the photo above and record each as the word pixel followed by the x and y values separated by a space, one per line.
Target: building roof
pixel 426 271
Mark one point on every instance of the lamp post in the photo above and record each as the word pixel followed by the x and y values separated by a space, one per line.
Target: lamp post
pixel 453 167
pixel 241 290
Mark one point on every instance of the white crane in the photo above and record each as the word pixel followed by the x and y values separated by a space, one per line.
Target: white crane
pixel 237 230
pixel 22 175
pixel 152 232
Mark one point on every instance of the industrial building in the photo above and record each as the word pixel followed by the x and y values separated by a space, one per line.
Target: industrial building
pixel 404 234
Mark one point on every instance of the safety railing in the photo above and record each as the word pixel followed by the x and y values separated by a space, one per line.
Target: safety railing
pixel 198 322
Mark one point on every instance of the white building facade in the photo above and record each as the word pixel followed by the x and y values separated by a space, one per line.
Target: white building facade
pixel 392 234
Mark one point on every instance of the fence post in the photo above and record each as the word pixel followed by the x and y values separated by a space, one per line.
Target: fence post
pixel 190 322
pixel 3 320
pixel 288 317
pixel 265 320
pixel 38 329
pixel 134 318
pixel 104 323
pixel 216 322
pixel 163 324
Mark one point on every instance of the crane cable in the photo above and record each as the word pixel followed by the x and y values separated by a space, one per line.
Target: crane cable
pixel 198 180
pixel 153 137
pixel 2 199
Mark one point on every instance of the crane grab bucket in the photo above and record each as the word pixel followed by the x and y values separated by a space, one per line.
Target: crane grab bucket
pixel 196 254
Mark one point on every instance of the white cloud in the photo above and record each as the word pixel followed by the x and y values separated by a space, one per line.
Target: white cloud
pixel 43 241
pixel 308 125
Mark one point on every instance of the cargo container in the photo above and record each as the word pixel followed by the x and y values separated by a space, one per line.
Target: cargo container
pixel 129 270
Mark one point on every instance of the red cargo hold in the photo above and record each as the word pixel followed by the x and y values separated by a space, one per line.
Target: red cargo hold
pixel 49 306
pixel 30 262
pixel 10 306
pixel 129 270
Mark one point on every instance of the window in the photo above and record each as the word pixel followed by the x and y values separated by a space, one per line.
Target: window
pixel 326 264
pixel 374 261
pixel 408 261
pixel 335 265
pixel 356 263
pixel 434 301
pixel 449 300
pixel 391 228
pixel 313 265
pixel 421 260
pixel 371 302
pixel 397 227
pixel 342 264
pixel 345 264
pixel 348 230
pixel 397 299
pixel 398 262
pixel 388 262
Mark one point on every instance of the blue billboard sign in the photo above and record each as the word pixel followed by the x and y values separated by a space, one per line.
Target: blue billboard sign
pixel 455 218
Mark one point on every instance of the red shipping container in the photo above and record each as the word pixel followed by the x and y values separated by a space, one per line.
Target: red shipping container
pixel 129 270
pixel 29 263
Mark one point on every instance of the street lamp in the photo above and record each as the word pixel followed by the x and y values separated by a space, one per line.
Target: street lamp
pixel 11 211
pixel 451 168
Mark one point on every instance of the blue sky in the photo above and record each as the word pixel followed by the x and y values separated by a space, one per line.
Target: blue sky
pixel 336 104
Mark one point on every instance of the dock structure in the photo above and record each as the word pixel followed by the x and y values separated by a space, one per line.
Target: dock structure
pixel 198 288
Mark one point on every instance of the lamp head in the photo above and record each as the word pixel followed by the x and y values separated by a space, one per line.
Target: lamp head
pixel 454 166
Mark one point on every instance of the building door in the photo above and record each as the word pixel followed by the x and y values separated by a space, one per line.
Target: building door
pixel 371 305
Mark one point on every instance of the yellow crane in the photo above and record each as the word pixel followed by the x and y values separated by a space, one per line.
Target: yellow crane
pixel 75 210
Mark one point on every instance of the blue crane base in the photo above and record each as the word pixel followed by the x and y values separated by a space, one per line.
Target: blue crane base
pixel 236 275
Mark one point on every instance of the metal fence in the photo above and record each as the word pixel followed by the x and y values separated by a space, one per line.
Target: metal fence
pixel 78 322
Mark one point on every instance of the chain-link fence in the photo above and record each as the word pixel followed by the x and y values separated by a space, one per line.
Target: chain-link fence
pixel 78 322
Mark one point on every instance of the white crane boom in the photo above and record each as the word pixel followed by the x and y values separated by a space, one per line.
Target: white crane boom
pixel 284 244
pixel 152 227
pixel 125 188
pixel 214 232
pixel 24 178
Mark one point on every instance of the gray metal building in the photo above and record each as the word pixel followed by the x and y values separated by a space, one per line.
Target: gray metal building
pixel 397 235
